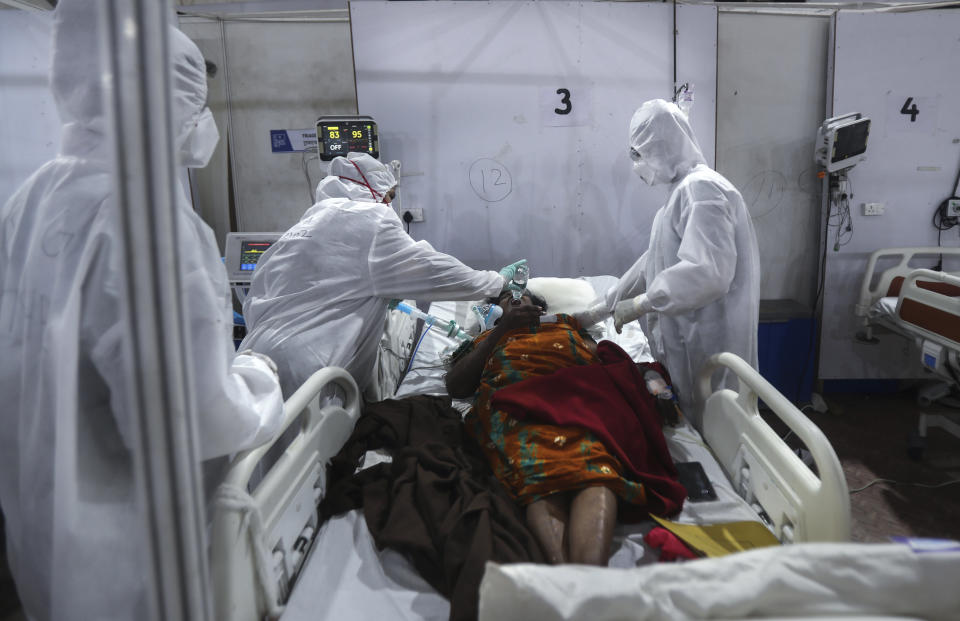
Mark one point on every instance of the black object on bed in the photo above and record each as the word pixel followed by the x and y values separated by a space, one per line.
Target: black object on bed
pixel 438 502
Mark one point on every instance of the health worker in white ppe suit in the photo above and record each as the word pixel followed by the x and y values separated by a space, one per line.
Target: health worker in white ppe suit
pixel 74 529
pixel 319 295
pixel 697 287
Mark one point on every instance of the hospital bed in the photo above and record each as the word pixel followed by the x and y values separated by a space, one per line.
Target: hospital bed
pixel 270 558
pixel 922 305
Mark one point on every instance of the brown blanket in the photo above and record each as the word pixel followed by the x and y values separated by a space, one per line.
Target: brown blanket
pixel 438 502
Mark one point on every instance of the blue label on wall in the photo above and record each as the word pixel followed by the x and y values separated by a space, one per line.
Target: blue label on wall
pixel 280 141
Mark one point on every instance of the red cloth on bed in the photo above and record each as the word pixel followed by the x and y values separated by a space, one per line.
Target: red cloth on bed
pixel 671 547
pixel 611 400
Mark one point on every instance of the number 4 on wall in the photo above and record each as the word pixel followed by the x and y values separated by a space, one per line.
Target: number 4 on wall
pixel 912 110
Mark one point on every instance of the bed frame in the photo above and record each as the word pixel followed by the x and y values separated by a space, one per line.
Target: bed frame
pixel 259 542
pixel 927 313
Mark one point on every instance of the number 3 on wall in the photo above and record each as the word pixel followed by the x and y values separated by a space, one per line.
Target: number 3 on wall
pixel 565 100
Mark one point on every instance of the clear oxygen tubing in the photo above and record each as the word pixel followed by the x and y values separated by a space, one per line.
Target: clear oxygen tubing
pixel 453 330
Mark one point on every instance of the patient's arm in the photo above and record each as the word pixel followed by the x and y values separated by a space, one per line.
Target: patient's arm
pixel 463 379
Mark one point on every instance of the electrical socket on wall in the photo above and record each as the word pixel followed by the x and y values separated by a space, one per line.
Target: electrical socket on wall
pixel 953 208
pixel 873 209
pixel 417 214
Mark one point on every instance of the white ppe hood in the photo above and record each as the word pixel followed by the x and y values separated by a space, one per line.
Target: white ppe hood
pixel 660 133
pixel 359 177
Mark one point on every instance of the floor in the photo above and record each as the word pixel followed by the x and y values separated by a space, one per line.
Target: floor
pixel 871 436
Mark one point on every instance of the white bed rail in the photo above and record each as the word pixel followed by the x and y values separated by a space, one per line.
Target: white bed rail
pixel 259 541
pixel 762 468
pixel 870 292
pixel 931 300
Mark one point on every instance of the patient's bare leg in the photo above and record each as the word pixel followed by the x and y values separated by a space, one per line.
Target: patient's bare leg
pixel 547 518
pixel 593 514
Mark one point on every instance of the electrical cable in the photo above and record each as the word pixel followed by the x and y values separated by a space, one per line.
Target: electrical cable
pixel 943 222
pixel 413 356
pixel 417 348
pixel 816 305
pixel 893 482
pixel 844 223
pixel 304 166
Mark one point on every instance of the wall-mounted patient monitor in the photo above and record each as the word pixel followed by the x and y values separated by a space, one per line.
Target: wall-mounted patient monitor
pixel 243 252
pixel 842 141
pixel 339 135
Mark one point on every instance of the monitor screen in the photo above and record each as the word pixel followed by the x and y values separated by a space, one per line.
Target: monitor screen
pixel 851 140
pixel 342 136
pixel 250 252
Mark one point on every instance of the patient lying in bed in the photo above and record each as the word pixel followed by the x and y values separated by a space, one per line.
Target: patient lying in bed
pixel 568 476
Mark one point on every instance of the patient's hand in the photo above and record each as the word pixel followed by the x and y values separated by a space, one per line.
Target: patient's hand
pixel 520 316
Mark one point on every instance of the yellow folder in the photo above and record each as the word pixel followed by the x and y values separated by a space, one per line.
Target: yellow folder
pixel 721 539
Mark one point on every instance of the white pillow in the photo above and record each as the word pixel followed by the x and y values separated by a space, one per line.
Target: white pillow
pixel 562 295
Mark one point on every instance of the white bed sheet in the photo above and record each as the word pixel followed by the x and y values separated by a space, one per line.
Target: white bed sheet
pixel 810 580
pixel 884 308
pixel 346 577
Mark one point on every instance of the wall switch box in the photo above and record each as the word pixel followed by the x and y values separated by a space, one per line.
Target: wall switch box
pixel 873 209
pixel 953 208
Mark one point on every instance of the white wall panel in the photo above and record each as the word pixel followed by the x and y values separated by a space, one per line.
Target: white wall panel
pixel 881 59
pixel 464 94
pixel 771 97
pixel 274 75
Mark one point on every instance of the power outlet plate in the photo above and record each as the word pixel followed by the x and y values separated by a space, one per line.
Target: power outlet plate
pixel 953 208
pixel 417 214
pixel 873 209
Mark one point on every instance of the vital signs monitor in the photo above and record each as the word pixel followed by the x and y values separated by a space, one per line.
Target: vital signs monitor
pixel 842 141
pixel 339 135
pixel 243 252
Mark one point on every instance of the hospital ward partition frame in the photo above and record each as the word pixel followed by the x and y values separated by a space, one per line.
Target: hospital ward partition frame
pixel 260 541
pixel 922 305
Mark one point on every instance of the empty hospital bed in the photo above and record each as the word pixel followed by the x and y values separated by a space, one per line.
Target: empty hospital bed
pixel 922 305
pixel 270 558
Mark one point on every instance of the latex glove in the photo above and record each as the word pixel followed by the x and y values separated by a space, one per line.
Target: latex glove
pixel 265 358
pixel 597 312
pixel 508 272
pixel 629 310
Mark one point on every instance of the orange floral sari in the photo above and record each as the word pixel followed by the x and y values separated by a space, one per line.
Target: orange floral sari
pixel 534 460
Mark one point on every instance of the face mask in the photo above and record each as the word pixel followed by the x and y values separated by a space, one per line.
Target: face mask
pixel 645 171
pixel 198 148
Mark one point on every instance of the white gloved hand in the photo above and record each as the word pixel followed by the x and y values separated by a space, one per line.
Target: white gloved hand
pixel 629 310
pixel 265 358
pixel 596 313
